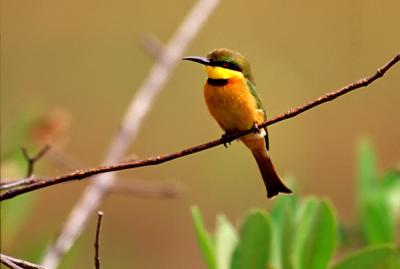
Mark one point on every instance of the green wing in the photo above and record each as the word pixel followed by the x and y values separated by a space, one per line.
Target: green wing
pixel 253 92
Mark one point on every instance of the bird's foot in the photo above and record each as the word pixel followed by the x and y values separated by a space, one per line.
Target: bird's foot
pixel 256 129
pixel 227 139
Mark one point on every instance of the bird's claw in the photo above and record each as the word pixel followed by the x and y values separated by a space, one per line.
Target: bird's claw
pixel 256 129
pixel 226 139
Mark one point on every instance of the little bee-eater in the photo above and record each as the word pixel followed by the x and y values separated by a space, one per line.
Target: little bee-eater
pixel 232 99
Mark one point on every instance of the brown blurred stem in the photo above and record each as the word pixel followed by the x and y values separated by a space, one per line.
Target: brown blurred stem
pixel 81 174
pixel 15 263
pixel 97 240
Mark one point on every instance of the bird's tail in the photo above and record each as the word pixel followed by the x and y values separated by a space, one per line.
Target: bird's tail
pixel 272 182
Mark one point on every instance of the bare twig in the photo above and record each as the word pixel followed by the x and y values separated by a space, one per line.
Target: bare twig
pixel 15 263
pixel 97 242
pixel 80 174
pixel 32 160
pixel 9 184
pixel 9 263
pixel 130 127
pixel 149 189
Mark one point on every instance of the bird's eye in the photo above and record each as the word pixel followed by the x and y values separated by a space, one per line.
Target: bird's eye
pixel 225 65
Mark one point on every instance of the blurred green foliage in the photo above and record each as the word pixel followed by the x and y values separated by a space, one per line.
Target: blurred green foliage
pixel 17 135
pixel 378 199
pixel 303 233
pixel 15 212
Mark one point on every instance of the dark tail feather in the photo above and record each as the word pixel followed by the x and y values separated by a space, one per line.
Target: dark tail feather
pixel 272 182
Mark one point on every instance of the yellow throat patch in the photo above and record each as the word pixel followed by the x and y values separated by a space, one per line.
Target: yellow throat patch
pixel 217 72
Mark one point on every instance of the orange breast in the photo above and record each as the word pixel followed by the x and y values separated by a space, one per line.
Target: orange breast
pixel 232 105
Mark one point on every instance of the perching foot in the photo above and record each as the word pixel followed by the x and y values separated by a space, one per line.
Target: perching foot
pixel 227 139
pixel 256 129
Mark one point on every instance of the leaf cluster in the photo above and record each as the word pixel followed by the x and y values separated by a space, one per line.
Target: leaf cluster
pixel 305 233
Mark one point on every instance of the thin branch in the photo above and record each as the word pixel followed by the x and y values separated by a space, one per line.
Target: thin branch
pixel 97 241
pixel 80 174
pixel 149 189
pixel 32 160
pixel 9 263
pixel 130 126
pixel 9 184
pixel 18 263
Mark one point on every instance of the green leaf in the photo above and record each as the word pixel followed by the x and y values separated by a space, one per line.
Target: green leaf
pixel 283 220
pixel 203 238
pixel 375 200
pixel 368 258
pixel 367 171
pixel 394 262
pixel 391 185
pixel 315 236
pixel 304 220
pixel 378 223
pixel 281 204
pixel 226 240
pixel 255 242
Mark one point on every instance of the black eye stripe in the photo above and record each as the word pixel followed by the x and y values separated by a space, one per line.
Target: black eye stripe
pixel 229 65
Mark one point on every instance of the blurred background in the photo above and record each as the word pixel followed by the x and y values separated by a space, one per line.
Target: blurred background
pixel 72 67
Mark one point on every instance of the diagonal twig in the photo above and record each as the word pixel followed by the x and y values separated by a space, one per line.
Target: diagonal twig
pixel 130 126
pixel 80 174
pixel 18 263
pixel 97 240
pixel 9 184
pixel 7 262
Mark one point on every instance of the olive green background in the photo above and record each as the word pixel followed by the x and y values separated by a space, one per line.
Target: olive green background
pixel 85 58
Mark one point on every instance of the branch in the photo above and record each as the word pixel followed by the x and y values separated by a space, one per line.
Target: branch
pixel 15 263
pixel 9 263
pixel 9 184
pixel 130 126
pixel 80 174
pixel 96 242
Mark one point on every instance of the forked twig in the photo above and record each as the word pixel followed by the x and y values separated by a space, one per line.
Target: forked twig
pixel 32 160
pixel 15 263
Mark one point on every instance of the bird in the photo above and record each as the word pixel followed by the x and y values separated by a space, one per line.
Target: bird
pixel 232 99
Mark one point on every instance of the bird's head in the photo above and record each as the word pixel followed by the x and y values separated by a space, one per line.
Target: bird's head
pixel 224 64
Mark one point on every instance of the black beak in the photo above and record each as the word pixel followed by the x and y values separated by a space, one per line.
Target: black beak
pixel 200 60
